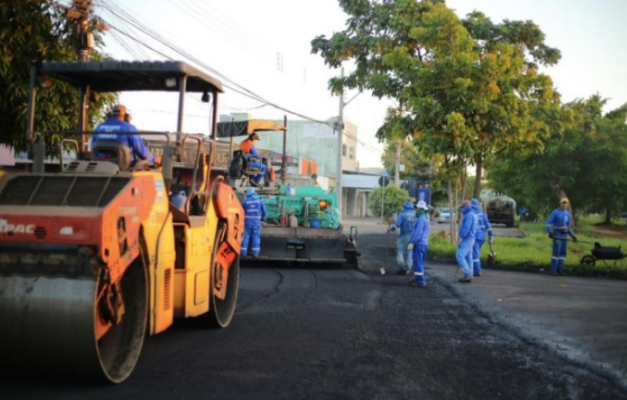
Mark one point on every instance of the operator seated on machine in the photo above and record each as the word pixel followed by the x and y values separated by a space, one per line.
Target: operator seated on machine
pixel 119 121
pixel 255 158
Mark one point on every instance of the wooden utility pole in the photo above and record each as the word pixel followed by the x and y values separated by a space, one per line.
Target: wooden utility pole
pixel 340 143
pixel 80 11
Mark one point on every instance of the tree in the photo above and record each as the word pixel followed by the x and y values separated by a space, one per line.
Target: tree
pixel 584 163
pixel 468 88
pixel 31 31
pixel 515 103
pixel 393 198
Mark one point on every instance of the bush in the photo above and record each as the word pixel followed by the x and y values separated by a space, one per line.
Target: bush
pixel 393 199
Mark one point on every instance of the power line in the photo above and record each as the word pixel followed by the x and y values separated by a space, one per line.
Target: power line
pixel 224 29
pixel 233 85
pixel 128 18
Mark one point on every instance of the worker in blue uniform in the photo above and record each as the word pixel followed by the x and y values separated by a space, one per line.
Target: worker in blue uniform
pixel 467 230
pixel 420 242
pixel 482 227
pixel 254 213
pixel 406 221
pixel 119 122
pixel 558 227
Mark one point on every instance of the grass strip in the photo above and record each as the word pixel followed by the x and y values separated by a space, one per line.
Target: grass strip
pixel 533 252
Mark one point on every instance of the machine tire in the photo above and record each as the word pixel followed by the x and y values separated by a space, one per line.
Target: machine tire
pixel 221 311
pixel 588 260
pixel 127 338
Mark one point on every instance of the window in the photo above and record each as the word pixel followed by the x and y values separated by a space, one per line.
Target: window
pixel 351 153
pixel 344 150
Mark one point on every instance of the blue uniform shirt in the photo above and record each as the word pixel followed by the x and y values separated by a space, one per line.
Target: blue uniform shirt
pixel 482 224
pixel 254 210
pixel 559 223
pixel 468 227
pixel 406 221
pixel 107 131
pixel 421 231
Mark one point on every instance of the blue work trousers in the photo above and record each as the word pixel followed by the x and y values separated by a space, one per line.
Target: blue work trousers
pixel 262 171
pixel 403 256
pixel 476 256
pixel 464 256
pixel 419 254
pixel 251 232
pixel 559 253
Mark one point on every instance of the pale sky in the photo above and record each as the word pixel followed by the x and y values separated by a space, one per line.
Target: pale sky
pixel 241 40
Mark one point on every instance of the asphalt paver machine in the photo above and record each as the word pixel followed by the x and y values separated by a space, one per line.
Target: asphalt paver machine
pixel 303 224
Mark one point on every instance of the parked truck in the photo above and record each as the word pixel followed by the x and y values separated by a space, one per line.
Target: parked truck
pixel 501 209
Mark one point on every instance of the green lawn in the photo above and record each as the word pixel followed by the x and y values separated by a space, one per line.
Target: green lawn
pixel 534 251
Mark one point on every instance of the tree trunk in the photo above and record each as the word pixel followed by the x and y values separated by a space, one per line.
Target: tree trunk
pixel 479 171
pixel 557 189
pixel 608 217
pixel 451 207
pixel 397 172
pixel 464 180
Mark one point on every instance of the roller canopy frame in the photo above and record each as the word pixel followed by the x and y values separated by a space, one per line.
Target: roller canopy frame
pixel 122 76
pixel 245 128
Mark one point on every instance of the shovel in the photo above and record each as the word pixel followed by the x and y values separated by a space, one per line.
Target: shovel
pixel 491 256
pixel 571 240
pixel 385 257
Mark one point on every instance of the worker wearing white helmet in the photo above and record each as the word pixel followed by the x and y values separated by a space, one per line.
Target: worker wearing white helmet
pixel 420 242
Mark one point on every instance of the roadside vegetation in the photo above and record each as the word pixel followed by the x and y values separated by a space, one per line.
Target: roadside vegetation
pixel 533 253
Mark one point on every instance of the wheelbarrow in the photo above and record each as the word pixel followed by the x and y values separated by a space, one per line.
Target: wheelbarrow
pixel 603 253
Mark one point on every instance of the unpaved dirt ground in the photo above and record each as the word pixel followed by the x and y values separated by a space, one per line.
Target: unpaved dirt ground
pixel 337 333
pixel 612 231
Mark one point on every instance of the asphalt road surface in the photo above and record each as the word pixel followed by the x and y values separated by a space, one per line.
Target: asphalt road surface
pixel 338 333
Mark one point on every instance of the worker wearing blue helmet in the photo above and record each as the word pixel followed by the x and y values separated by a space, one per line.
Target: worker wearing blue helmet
pixel 482 227
pixel 254 213
pixel 406 221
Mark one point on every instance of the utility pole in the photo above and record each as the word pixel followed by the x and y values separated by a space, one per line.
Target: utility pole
pixel 397 168
pixel 80 11
pixel 340 143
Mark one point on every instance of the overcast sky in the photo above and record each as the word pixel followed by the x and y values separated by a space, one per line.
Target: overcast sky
pixel 264 46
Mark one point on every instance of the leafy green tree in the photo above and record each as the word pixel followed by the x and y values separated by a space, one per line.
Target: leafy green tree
pixel 468 88
pixel 31 31
pixel 393 198
pixel 585 163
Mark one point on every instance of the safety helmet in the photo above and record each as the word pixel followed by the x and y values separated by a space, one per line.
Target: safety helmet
pixel 474 203
pixel 564 200
pixel 250 192
pixel 422 205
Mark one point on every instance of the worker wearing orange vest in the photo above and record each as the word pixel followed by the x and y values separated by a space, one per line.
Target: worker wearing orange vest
pixel 248 148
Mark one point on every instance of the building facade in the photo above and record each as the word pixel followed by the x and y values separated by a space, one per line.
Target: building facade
pixel 317 142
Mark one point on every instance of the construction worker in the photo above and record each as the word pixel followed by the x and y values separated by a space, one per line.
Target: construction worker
pixel 420 243
pixel 558 227
pixel 483 226
pixel 119 121
pixel 254 212
pixel 406 221
pixel 255 158
pixel 467 230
